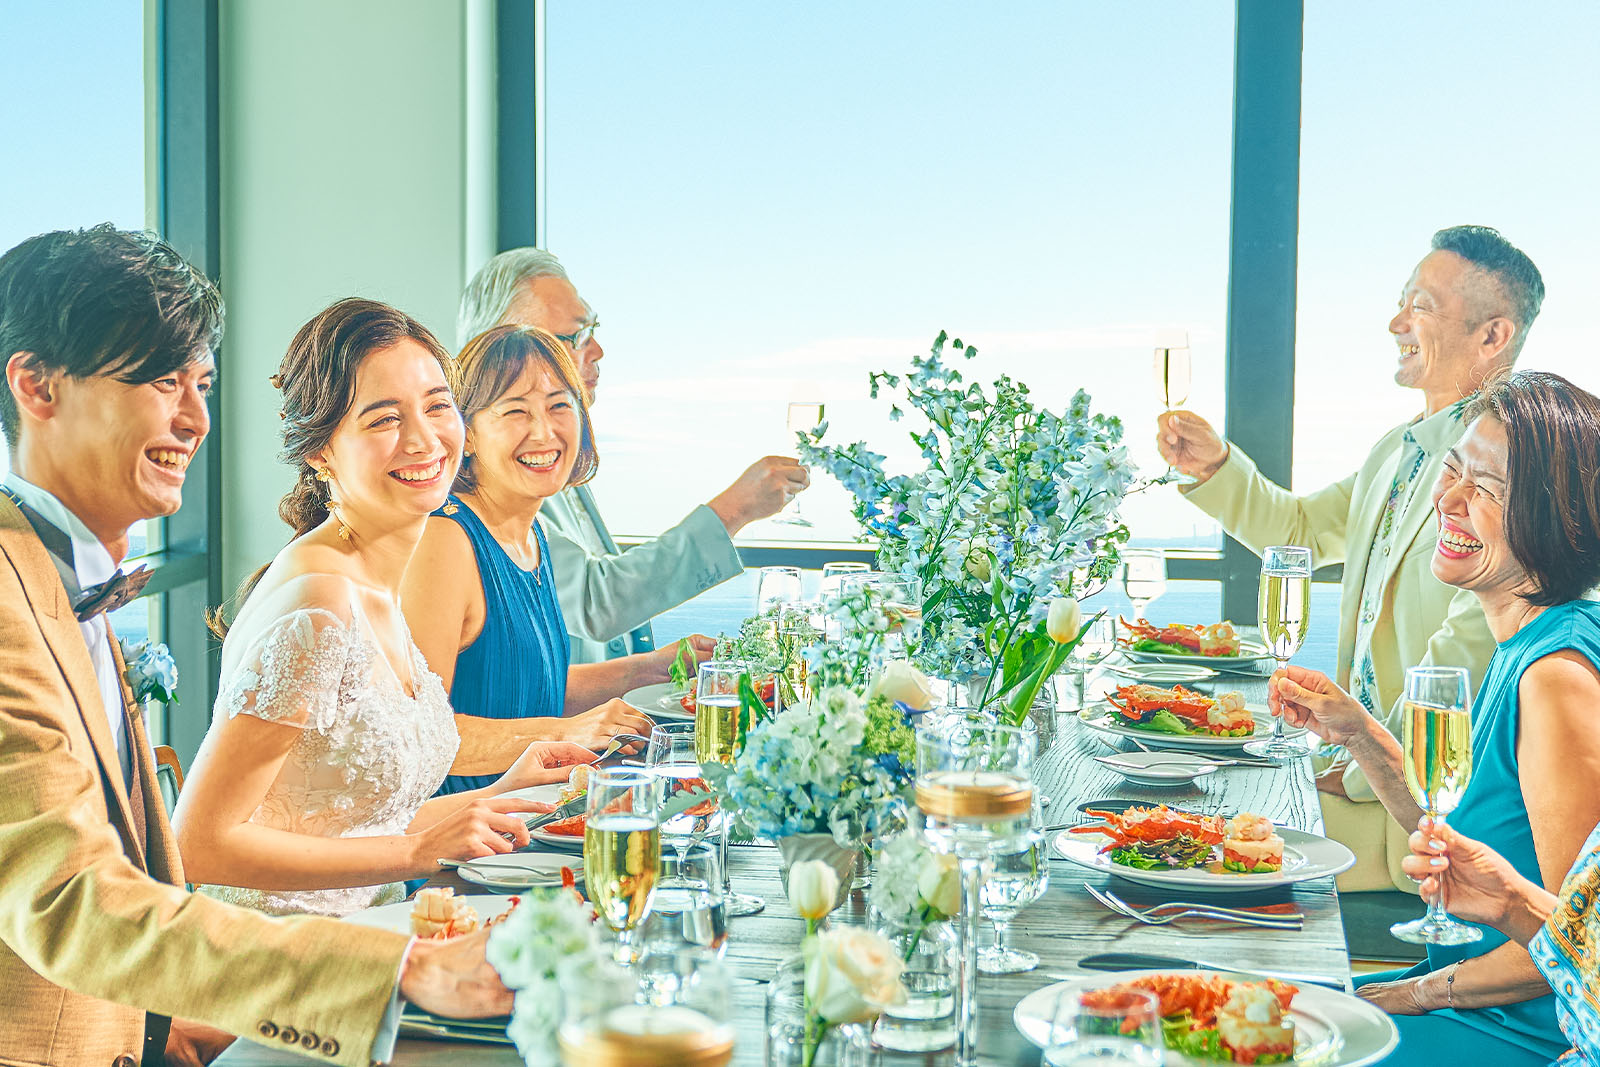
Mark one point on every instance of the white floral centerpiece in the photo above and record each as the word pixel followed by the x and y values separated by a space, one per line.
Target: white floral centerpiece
pixel 546 927
pixel 1015 506
pixel 915 885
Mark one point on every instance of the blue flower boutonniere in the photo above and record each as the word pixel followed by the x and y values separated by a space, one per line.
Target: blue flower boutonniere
pixel 151 672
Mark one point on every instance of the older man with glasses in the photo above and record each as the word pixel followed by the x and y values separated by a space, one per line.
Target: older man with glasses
pixel 608 596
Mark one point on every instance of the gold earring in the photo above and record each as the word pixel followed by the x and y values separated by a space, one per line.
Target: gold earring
pixel 344 529
pixel 322 474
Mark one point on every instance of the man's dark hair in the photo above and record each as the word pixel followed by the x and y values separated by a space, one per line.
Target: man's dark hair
pixel 1505 267
pixel 103 301
pixel 1552 506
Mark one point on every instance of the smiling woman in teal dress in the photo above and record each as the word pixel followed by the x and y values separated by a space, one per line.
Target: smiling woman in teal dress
pixel 1519 520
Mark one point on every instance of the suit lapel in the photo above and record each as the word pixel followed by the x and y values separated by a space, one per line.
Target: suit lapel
pixel 48 598
pixel 142 772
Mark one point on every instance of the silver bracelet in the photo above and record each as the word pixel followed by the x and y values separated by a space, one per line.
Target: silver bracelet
pixel 1450 985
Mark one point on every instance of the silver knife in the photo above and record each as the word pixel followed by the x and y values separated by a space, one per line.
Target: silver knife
pixel 1139 961
pixel 565 811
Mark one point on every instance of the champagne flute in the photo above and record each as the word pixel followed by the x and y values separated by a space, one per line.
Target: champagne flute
pixel 1106 1028
pixel 1097 643
pixel 1283 610
pixel 1144 577
pixel 797 631
pixel 716 723
pixel 1173 374
pixel 622 850
pixel 1436 751
pixel 803 416
pixel 671 756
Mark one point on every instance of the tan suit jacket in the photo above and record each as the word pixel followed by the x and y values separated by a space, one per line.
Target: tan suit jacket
pixel 95 927
pixel 1421 620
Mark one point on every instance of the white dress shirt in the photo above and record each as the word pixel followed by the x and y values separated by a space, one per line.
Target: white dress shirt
pixel 93 565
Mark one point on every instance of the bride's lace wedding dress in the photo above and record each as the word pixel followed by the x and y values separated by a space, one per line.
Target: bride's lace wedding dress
pixel 368 755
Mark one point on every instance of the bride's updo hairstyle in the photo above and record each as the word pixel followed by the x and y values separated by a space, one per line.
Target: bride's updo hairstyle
pixel 318 381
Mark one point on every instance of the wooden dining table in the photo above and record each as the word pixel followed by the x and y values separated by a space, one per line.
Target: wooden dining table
pixel 1064 926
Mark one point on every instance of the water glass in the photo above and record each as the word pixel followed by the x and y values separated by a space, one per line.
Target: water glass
pixel 1144 577
pixel 833 578
pixel 1018 874
pixel 1097 643
pixel 777 586
pixel 671 756
pixel 1106 1028
pixel 688 911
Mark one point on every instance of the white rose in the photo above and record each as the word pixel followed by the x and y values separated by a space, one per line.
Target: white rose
pixel 851 975
pixel 900 681
pixel 939 884
pixel 813 889
pixel 1064 619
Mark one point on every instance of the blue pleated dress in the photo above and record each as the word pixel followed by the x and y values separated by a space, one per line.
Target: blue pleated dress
pixel 1492 811
pixel 517 667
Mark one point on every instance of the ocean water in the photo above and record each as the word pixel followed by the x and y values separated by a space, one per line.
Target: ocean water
pixel 723 608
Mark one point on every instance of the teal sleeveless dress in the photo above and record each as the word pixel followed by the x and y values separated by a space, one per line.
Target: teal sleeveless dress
pixel 1492 811
pixel 517 667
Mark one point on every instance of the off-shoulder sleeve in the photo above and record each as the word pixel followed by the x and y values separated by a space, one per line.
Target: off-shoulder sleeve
pixel 291 673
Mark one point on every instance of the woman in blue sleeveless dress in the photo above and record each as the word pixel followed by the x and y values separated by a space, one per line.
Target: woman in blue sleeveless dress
pixel 1519 522
pixel 480 596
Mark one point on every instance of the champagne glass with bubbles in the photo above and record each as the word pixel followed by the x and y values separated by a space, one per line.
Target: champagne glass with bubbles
pixel 1284 611
pixel 716 724
pixel 1436 751
pixel 622 850
pixel 804 415
pixel 1173 373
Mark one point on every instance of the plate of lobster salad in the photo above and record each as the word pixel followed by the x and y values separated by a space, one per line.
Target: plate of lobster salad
pixel 1179 717
pixel 1205 644
pixel 1170 847
pixel 1210 1017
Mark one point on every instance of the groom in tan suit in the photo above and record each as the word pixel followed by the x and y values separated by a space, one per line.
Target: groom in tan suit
pixel 1463 317
pixel 106 338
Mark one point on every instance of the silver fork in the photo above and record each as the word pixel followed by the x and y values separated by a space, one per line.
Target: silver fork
pixel 1121 907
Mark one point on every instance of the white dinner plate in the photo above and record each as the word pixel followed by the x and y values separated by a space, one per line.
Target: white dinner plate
pixel 397 917
pixel 1305 856
pixel 549 794
pixel 521 870
pixel 1161 673
pixel 1097 717
pixel 1167 767
pixel 659 701
pixel 1250 654
pixel 1332 1029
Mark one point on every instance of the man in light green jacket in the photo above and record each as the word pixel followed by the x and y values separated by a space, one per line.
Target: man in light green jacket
pixel 1463 317
pixel 608 596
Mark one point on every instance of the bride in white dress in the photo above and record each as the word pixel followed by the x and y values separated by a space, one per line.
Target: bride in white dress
pixel 330 734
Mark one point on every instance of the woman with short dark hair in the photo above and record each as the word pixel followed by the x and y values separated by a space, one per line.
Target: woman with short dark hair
pixel 1519 526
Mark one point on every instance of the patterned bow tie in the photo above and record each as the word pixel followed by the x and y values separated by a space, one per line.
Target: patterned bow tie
pixel 110 594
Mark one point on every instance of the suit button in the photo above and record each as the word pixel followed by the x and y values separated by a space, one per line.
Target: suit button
pixel 309 1041
pixel 330 1047
pixel 289 1035
pixel 267 1029
pixel 124 1061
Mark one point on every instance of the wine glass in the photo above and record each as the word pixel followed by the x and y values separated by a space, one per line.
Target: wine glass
pixel 716 740
pixel 1097 643
pixel 797 631
pixel 671 756
pixel 622 850
pixel 1018 875
pixel 803 415
pixel 688 911
pixel 1436 750
pixel 672 1008
pixel 1106 1028
pixel 777 586
pixel 1283 609
pixel 902 602
pixel 833 575
pixel 975 790
pixel 1173 373
pixel 1144 577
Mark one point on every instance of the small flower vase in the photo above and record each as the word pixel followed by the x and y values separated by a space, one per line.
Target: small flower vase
pixel 926 1020
pixel 791 1043
pixel 797 848
pixel 1043 714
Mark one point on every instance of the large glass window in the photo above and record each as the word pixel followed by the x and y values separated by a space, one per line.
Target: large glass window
pixel 764 202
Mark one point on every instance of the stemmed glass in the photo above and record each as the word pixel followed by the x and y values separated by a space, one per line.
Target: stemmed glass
pixel 1106 1028
pixel 803 415
pixel 1144 577
pixel 622 850
pixel 1019 874
pixel 1436 750
pixel 777 586
pixel 1173 373
pixel 1283 609
pixel 974 788
pixel 797 631
pixel 902 601
pixel 833 575
pixel 1097 643
pixel 671 756
pixel 688 910
pixel 716 740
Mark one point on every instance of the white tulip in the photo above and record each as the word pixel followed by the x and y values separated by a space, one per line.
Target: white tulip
pixel 900 681
pixel 1064 620
pixel 851 975
pixel 939 884
pixel 813 889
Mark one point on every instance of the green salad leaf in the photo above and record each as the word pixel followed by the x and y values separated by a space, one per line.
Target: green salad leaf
pixel 1178 853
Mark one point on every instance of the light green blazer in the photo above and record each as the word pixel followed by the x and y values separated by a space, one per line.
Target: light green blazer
pixel 1422 620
